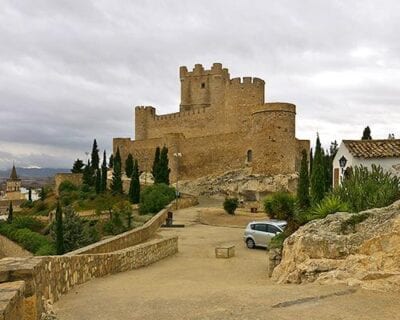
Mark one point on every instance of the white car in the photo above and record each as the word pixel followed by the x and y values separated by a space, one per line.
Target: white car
pixel 259 233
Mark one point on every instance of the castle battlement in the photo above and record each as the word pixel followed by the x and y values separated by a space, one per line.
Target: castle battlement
pixel 222 124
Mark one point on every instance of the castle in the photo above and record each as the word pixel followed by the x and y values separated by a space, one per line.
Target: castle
pixel 223 124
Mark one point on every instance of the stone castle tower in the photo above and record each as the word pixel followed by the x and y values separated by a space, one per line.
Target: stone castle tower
pixel 222 124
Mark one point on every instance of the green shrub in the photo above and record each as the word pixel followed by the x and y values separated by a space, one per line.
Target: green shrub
pixel 230 205
pixel 330 204
pixel 46 250
pixel 115 225
pixel 28 239
pixel 28 222
pixel 155 197
pixel 280 205
pixel 27 204
pixel 277 241
pixel 364 189
pixel 67 186
pixel 39 205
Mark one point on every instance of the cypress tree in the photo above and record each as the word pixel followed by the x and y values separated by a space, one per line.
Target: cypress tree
pixel 303 189
pixel 116 184
pixel 164 170
pixel 156 163
pixel 129 165
pixel 10 213
pixel 117 158
pixel 366 134
pixel 98 181
pixel 318 175
pixel 95 156
pixel 134 187
pixel 104 173
pixel 78 166
pixel 59 230
pixel 30 195
pixel 88 174
pixel 311 160
pixel 111 161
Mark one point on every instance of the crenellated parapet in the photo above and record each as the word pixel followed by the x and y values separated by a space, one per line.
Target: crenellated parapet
pixel 143 115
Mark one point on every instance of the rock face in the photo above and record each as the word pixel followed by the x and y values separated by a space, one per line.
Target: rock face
pixel 356 249
pixel 241 184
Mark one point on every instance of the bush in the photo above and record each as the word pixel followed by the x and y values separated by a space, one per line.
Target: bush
pixel 277 241
pixel 280 205
pixel 155 197
pixel 230 205
pixel 28 222
pixel 330 204
pixel 27 204
pixel 46 250
pixel 364 189
pixel 39 205
pixel 67 186
pixel 28 239
pixel 115 225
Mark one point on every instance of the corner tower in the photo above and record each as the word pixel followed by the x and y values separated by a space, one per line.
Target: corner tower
pixel 202 88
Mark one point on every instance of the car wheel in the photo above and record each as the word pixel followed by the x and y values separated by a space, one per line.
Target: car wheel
pixel 250 243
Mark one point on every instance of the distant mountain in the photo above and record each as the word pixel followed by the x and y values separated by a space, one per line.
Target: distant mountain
pixel 34 172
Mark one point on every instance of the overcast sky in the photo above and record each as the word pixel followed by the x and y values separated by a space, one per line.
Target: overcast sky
pixel 71 71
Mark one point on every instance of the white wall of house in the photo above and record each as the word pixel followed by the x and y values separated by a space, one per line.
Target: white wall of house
pixel 388 164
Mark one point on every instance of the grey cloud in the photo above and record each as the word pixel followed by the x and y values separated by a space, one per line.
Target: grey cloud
pixel 71 71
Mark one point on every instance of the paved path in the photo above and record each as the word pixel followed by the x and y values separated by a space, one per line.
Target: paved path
pixel 195 285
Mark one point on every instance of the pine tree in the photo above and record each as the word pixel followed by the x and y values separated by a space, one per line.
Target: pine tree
pixel 163 169
pixel 78 166
pixel 318 175
pixel 134 187
pixel 88 174
pixel 156 162
pixel 366 134
pixel 10 213
pixel 104 173
pixel 98 181
pixel 111 161
pixel 59 230
pixel 303 189
pixel 116 184
pixel 129 165
pixel 95 156
pixel 30 195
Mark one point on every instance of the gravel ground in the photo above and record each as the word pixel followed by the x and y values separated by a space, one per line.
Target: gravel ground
pixel 195 285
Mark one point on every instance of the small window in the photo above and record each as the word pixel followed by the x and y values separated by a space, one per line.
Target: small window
pixel 249 156
pixel 272 229
pixel 261 227
pixel 203 85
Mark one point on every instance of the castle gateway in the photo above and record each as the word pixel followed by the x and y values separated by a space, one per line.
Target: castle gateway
pixel 223 124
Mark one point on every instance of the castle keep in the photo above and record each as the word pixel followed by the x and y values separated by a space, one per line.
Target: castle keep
pixel 222 124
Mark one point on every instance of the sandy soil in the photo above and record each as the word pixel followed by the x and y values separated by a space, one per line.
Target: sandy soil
pixel 195 285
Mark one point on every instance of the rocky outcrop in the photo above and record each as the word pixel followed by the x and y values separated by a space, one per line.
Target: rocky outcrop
pixel 356 249
pixel 241 184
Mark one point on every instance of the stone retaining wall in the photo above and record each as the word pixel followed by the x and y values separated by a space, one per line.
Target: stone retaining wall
pixel 9 248
pixel 47 278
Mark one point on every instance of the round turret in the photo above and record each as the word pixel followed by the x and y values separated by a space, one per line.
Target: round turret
pixel 273 139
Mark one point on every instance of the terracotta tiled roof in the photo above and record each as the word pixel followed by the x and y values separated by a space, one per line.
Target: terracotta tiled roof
pixel 389 148
pixel 13 175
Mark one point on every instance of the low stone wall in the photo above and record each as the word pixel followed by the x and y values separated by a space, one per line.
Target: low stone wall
pixel 128 238
pixel 47 278
pixel 9 248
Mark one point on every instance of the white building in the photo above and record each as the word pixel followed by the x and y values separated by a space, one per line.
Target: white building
pixel 351 153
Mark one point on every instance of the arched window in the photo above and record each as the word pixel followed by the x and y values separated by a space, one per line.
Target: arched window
pixel 249 156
